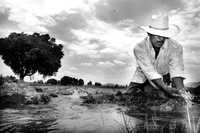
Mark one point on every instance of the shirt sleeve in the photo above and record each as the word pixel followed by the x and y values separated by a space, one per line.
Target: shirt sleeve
pixel 176 65
pixel 144 62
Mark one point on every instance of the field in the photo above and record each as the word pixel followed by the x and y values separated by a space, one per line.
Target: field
pixel 106 110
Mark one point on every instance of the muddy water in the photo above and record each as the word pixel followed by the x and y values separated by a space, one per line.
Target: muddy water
pixel 67 114
pixel 64 114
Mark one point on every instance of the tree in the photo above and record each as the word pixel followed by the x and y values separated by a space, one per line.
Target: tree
pixel 89 83
pixel 97 84
pixel 74 81
pixel 80 82
pixel 52 81
pixel 66 80
pixel 28 54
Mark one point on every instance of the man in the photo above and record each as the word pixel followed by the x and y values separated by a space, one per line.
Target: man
pixel 159 58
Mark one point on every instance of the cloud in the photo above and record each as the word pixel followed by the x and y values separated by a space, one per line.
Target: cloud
pixel 108 51
pixel 84 51
pixel 6 24
pixel 73 68
pixel 23 16
pixel 5 70
pixel 106 64
pixel 4 17
pixel 118 62
pixel 64 23
pixel 57 17
pixel 86 64
pixel 113 11
pixel 110 36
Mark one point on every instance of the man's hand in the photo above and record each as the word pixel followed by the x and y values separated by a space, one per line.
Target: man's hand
pixel 181 93
pixel 171 92
pixel 186 95
pixel 159 84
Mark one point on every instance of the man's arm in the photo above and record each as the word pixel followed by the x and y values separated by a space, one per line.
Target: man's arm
pixel 159 84
pixel 144 62
pixel 176 67
pixel 177 81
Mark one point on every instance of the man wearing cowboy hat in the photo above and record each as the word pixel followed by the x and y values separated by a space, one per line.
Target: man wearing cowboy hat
pixel 159 58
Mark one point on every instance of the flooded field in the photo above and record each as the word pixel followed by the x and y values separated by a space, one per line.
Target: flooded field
pixel 63 114
pixel 67 114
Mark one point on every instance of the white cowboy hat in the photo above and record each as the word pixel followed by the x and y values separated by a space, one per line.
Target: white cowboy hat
pixel 160 26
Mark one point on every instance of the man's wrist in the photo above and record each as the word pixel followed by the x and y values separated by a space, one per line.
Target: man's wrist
pixel 182 89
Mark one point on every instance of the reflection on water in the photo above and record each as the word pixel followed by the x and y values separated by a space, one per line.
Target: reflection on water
pixel 67 114
pixel 63 114
pixel 177 122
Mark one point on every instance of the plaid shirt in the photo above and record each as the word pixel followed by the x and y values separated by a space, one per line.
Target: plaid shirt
pixel 169 60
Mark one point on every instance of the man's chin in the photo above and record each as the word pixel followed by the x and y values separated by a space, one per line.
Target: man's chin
pixel 158 45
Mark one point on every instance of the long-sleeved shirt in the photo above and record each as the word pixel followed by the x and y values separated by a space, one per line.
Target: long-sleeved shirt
pixel 169 60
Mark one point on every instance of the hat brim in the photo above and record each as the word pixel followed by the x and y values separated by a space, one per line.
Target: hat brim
pixel 172 31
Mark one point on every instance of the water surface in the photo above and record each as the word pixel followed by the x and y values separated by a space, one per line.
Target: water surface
pixel 64 114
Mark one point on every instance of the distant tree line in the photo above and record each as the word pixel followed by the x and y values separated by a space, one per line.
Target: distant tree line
pixel 106 85
pixel 66 80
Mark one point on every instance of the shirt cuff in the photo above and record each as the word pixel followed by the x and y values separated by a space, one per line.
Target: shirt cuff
pixel 177 74
pixel 138 76
pixel 153 75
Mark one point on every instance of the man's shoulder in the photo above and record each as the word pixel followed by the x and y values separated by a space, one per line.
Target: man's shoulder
pixel 174 44
pixel 140 45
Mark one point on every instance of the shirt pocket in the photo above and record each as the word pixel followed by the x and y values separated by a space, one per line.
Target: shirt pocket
pixel 163 65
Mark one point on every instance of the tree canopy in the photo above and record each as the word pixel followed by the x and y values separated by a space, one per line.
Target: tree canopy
pixel 67 80
pixel 28 54
pixel 52 81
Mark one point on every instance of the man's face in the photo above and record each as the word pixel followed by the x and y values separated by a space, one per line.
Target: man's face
pixel 157 41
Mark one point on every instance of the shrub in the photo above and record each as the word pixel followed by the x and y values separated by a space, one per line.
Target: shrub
pixel 80 82
pixel 66 80
pixel 10 79
pixel 52 81
pixel 97 84
pixel 89 83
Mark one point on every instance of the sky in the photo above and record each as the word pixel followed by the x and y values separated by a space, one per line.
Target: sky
pixel 99 35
